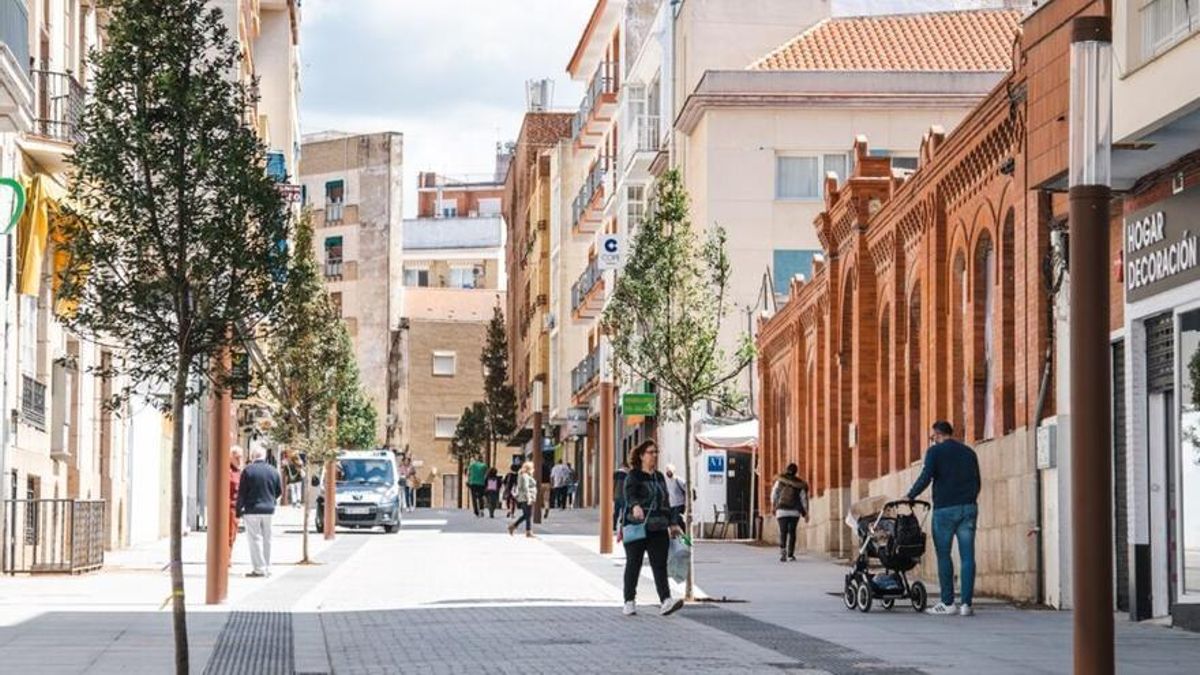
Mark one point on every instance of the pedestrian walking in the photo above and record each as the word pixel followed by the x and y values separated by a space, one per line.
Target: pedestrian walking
pixel 677 489
pixel 491 491
pixel 560 476
pixel 789 498
pixel 295 479
pixel 476 476
pixel 648 527
pixel 404 469
pixel 572 486
pixel 526 495
pixel 619 492
pixel 258 491
pixel 510 491
pixel 235 477
pixel 414 484
pixel 953 468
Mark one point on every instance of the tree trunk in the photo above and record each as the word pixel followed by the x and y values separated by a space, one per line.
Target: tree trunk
pixel 178 608
pixel 460 485
pixel 689 588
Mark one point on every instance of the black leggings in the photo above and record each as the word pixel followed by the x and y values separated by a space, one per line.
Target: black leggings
pixel 656 544
pixel 526 516
pixel 787 533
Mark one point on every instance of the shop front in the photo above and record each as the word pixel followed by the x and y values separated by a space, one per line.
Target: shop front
pixel 1158 484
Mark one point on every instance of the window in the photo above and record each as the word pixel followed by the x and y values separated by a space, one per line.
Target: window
pixel 489 206
pixel 1189 434
pixel 444 364
pixel 335 198
pixel 789 263
pixel 335 301
pixel 414 277
pixel 333 249
pixel 635 205
pixel 803 176
pixel 29 334
pixel 277 167
pixel 462 277
pixel 1165 22
pixel 444 426
pixel 303 195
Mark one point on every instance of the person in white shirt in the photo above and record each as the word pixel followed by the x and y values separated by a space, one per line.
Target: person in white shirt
pixel 560 478
pixel 677 492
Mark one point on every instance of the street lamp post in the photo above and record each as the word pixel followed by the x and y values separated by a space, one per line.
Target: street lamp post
pixel 1090 384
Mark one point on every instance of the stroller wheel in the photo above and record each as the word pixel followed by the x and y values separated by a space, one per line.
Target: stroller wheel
pixel 850 595
pixel 888 603
pixel 920 597
pixel 863 600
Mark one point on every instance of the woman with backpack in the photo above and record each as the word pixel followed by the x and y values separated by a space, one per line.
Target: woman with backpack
pixel 789 498
pixel 649 524
pixel 491 490
pixel 510 490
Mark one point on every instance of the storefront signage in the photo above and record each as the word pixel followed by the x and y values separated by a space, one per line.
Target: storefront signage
pixel 576 422
pixel 1162 246
pixel 716 464
pixel 639 404
pixel 610 252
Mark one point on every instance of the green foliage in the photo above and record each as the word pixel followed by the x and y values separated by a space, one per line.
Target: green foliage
pixel 176 226
pixel 664 319
pixel 472 435
pixel 500 401
pixel 309 357
pixel 357 417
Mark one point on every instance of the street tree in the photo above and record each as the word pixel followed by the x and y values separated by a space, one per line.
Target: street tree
pixel 665 317
pixel 499 399
pixel 356 414
pixel 472 435
pixel 174 229
pixel 309 366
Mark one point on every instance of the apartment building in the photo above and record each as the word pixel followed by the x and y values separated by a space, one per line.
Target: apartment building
pixel 528 190
pixel 454 279
pixel 353 186
pixel 1156 343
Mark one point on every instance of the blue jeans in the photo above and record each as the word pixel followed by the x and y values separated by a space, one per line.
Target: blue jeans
pixel 952 522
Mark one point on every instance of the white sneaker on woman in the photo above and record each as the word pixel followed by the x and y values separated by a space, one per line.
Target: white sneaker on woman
pixel 942 609
pixel 670 606
pixel 630 608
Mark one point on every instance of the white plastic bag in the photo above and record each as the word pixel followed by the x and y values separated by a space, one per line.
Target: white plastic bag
pixel 679 558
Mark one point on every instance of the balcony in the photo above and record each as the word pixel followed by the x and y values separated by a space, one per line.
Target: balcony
pixel 598 106
pixel 642 140
pixel 588 293
pixel 334 270
pixel 588 209
pixel 58 106
pixel 16 93
pixel 585 375
pixel 33 402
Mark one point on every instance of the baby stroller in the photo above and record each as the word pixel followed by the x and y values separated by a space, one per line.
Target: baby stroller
pixel 890 532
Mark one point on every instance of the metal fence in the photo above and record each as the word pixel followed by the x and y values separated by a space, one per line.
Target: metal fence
pixel 58 105
pixel 53 536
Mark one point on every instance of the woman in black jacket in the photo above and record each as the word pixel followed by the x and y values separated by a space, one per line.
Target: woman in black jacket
pixel 647 502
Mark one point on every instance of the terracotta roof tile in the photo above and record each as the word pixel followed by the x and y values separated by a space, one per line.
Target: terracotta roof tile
pixel 974 40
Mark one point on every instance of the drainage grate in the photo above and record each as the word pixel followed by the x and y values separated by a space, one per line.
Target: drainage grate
pixel 808 651
pixel 253 643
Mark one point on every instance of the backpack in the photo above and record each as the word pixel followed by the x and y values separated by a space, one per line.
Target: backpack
pixel 789 495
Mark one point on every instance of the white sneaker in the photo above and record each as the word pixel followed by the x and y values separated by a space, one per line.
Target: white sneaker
pixel 670 606
pixel 966 610
pixel 942 610
pixel 630 609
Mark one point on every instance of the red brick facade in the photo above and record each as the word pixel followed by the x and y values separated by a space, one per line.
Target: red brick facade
pixel 931 302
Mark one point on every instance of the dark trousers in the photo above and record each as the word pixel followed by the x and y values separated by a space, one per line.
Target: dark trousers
pixel 526 516
pixel 656 544
pixel 618 507
pixel 787 534
pixel 476 498
pixel 493 501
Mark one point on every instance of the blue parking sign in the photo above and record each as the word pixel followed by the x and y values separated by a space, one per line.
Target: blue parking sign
pixel 716 464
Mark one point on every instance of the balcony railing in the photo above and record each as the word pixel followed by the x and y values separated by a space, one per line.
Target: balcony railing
pixel 592 188
pixel 334 211
pixel 333 269
pixel 14 30
pixel 585 284
pixel 584 374
pixel 649 137
pixel 602 84
pixel 58 105
pixel 33 402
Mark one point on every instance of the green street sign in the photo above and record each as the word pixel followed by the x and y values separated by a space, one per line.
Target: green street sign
pixel 639 404
pixel 12 203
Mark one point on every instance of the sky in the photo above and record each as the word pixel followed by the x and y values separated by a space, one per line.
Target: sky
pixel 450 74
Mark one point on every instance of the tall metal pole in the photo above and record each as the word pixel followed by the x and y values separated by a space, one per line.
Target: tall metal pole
pixel 1090 384
pixel 218 550
pixel 538 455
pixel 605 469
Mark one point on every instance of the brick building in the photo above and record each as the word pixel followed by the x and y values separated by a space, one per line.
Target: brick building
pixel 931 303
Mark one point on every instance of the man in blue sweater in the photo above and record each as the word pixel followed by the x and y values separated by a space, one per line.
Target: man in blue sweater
pixel 953 468
pixel 258 490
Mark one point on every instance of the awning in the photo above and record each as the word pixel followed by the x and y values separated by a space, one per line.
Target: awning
pixel 520 438
pixel 740 436
pixel 43 224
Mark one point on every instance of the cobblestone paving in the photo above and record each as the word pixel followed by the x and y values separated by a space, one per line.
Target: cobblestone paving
pixel 531 640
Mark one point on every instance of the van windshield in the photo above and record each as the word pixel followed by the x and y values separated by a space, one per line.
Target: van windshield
pixel 365 472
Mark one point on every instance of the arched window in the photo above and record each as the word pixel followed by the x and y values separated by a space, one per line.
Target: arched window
pixel 983 342
pixel 887 459
pixel 1008 328
pixel 913 347
pixel 958 325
